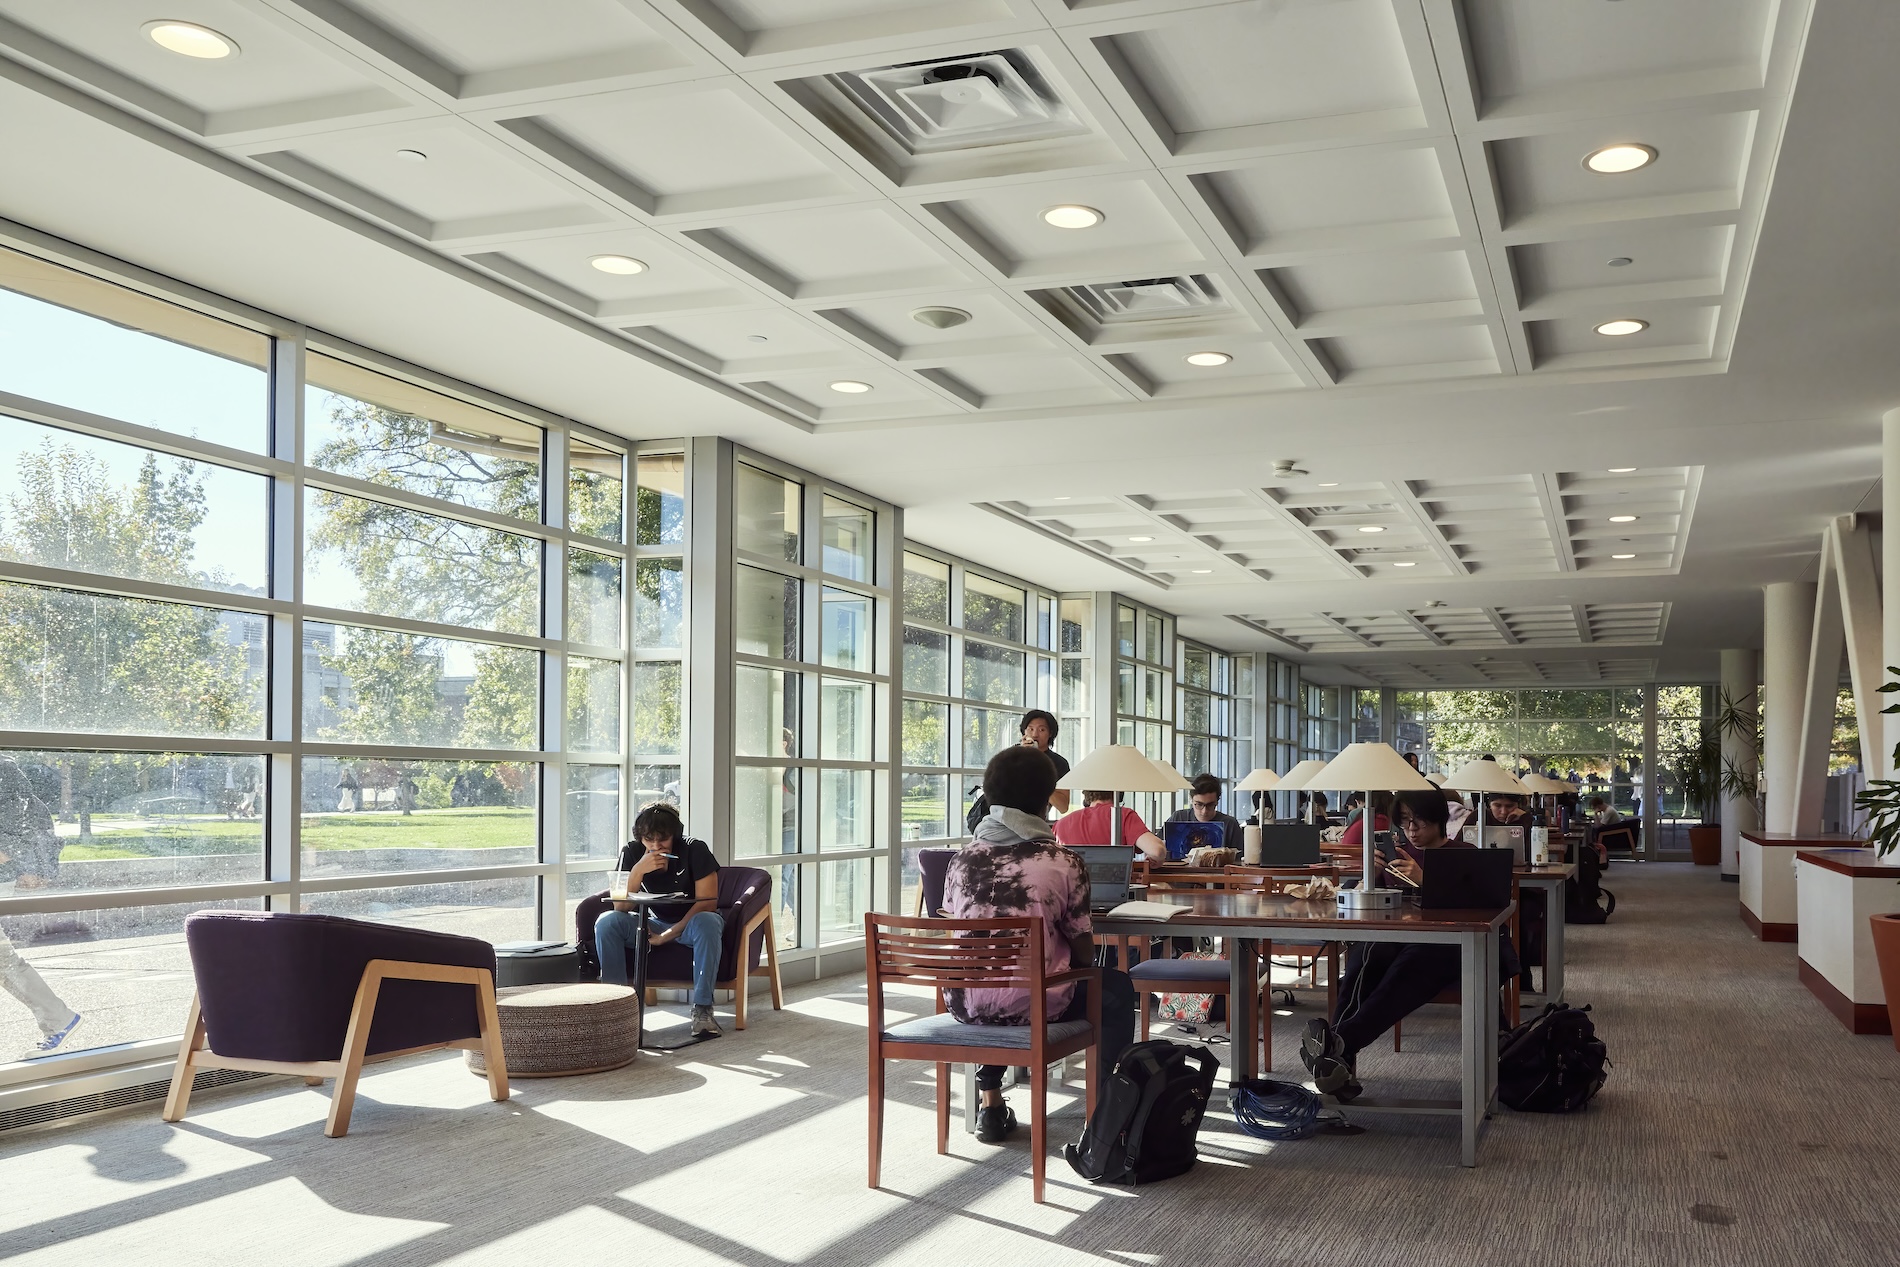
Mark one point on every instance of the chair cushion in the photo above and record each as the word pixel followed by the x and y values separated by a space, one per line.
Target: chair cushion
pixel 948 1030
pixel 1180 970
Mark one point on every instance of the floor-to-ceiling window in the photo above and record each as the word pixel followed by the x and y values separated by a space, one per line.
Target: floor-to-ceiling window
pixel 811 600
pixel 1592 736
pixel 284 626
pixel 1205 714
pixel 1144 694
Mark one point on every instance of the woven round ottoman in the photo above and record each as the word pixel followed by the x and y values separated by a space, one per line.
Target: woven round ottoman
pixel 554 1031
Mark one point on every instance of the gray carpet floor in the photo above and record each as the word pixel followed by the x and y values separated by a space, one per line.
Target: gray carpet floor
pixel 1741 1125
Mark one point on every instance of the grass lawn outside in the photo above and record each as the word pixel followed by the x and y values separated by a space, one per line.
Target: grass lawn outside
pixel 477 827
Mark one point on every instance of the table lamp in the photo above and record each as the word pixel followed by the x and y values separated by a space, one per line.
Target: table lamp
pixel 1262 780
pixel 1369 767
pixel 1294 780
pixel 1485 778
pixel 1118 767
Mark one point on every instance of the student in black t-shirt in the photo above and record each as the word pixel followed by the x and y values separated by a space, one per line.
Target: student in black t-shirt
pixel 661 859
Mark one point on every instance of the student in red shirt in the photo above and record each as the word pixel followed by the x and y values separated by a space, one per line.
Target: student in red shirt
pixel 1089 826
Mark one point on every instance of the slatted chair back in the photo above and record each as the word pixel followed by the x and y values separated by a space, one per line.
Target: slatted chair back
pixel 954 954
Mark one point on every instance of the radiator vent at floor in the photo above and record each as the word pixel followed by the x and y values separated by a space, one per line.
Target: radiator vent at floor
pixel 117 1098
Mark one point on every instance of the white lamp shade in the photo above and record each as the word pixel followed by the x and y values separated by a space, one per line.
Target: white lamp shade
pixel 1261 780
pixel 1297 777
pixel 1181 784
pixel 1544 784
pixel 1369 767
pixel 1485 776
pixel 1118 767
pixel 1436 779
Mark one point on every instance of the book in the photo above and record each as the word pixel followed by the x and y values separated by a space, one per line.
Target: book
pixel 1147 910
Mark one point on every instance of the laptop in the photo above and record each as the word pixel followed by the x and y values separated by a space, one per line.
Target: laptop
pixel 1465 879
pixel 1182 837
pixel 1289 845
pixel 1111 872
pixel 1516 839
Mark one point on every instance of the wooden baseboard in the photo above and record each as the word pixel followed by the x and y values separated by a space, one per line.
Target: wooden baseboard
pixel 1859 1018
pixel 1769 932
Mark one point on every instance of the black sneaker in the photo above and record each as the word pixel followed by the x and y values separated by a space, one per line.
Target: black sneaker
pixel 1324 1055
pixel 994 1124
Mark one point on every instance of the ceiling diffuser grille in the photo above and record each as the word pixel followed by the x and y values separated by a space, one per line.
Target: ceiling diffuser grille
pixel 961 103
pixel 1149 299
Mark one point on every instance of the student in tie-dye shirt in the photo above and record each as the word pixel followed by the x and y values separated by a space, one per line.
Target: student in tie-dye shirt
pixel 1012 868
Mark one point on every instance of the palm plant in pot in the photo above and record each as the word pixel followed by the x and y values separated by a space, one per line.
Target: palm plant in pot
pixel 1698 770
pixel 1881 802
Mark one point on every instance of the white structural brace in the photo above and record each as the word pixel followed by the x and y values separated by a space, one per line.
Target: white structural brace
pixel 1847 617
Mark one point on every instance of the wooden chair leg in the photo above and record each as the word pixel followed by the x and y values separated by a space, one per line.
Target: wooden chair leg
pixel 355 1043
pixel 877 1113
pixel 771 958
pixel 741 987
pixel 1091 1064
pixel 1143 996
pixel 183 1075
pixel 943 1107
pixel 492 1056
pixel 1038 1127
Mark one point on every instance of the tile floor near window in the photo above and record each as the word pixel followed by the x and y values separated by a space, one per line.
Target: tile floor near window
pixel 1741 1125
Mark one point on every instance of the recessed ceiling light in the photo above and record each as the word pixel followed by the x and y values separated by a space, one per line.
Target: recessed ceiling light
pixel 1405 565
pixel 412 156
pixel 1612 160
pixel 1202 571
pixel 1622 326
pixel 1621 470
pixel 1208 358
pixel 1329 484
pixel 939 317
pixel 1622 556
pixel 1141 538
pixel 1622 519
pixel 1621 261
pixel 1072 216
pixel 620 265
pixel 1370 528
pixel 188 39
pixel 1061 499
pixel 850 387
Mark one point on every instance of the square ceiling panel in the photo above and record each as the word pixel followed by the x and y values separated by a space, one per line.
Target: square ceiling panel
pixel 1138 232
pixel 1135 311
pixel 1333 200
pixel 1347 290
pixel 492 47
pixel 760 342
pixel 1255 367
pixel 1632 265
pixel 683 150
pixel 907 329
pixel 810 393
pixel 1532 56
pixel 435 180
pixel 1023 382
pixel 674 280
pixel 1238 76
pixel 1674 333
pixel 274 78
pixel 1424 351
pixel 1701 161
pixel 826 254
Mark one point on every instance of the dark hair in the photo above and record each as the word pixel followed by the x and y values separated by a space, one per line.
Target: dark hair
pixel 659 819
pixel 1205 783
pixel 1096 798
pixel 1020 778
pixel 1411 759
pixel 1319 800
pixel 1488 757
pixel 1045 717
pixel 1429 807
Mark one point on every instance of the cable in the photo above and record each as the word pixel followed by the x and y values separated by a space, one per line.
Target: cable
pixel 1273 1110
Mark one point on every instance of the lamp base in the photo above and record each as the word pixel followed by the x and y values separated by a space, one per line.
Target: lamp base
pixel 1369 899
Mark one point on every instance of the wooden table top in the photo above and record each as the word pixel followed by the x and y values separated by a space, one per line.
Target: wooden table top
pixel 1211 908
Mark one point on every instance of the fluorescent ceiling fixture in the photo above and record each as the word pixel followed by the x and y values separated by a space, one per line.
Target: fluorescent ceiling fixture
pixel 1141 538
pixel 1072 216
pixel 1614 159
pixel 188 39
pixel 1622 519
pixel 1622 326
pixel 620 265
pixel 850 387
pixel 1405 565
pixel 1621 470
pixel 1622 556
pixel 1208 358
pixel 1370 528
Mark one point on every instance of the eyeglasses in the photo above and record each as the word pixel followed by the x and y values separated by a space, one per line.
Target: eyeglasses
pixel 1213 804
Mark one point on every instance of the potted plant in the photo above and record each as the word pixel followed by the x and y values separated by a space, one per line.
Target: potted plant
pixel 1698 770
pixel 1881 801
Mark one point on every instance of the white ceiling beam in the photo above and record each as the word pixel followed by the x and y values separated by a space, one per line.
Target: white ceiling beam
pixel 1581 614
pixel 1550 499
pixel 1423 628
pixel 1172 524
pixel 1502 626
pixel 1346 629
pixel 1299 526
pixel 1407 501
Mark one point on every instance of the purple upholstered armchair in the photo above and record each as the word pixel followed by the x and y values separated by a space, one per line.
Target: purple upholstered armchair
pixel 321 996
pixel 745 904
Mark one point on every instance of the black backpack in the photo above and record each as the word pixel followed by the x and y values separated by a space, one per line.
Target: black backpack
pixel 1147 1115
pixel 1584 894
pixel 1552 1063
pixel 979 810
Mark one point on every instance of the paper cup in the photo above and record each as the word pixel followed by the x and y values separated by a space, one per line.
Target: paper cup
pixel 617 884
pixel 1250 845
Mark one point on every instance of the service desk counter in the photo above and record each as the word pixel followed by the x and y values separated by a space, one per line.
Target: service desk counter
pixel 1767 863
pixel 1836 891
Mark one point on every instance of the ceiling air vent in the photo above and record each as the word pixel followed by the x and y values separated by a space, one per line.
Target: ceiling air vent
pixel 960 103
pixel 1149 299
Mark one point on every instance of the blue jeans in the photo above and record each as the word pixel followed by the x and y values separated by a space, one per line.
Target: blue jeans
pixel 615 930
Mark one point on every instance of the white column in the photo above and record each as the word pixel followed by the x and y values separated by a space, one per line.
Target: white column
pixel 1788 618
pixel 1740 678
pixel 1889 586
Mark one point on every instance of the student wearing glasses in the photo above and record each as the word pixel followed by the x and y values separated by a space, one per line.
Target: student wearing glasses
pixel 1204 807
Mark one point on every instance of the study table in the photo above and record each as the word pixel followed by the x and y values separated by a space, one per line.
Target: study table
pixel 1550 879
pixel 1245 918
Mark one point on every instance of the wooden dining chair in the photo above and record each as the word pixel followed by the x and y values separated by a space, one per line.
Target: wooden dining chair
pixel 1203 976
pixel 960 954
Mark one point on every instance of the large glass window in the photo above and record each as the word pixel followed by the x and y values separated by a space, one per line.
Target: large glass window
pixel 242 717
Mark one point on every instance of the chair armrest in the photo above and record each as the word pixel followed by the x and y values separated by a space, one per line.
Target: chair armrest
pixel 1073 974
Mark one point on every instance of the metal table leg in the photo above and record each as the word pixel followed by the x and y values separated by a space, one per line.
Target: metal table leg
pixel 1477 1002
pixel 640 949
pixel 1553 946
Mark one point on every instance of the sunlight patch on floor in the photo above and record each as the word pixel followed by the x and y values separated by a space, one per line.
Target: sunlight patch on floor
pixel 719 1098
pixel 70 1179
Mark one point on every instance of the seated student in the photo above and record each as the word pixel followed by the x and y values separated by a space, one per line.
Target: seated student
pixel 661 859
pixel 1089 826
pixel 1504 810
pixel 1381 820
pixel 1317 803
pixel 1386 982
pixel 1204 807
pixel 1602 813
pixel 1013 867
